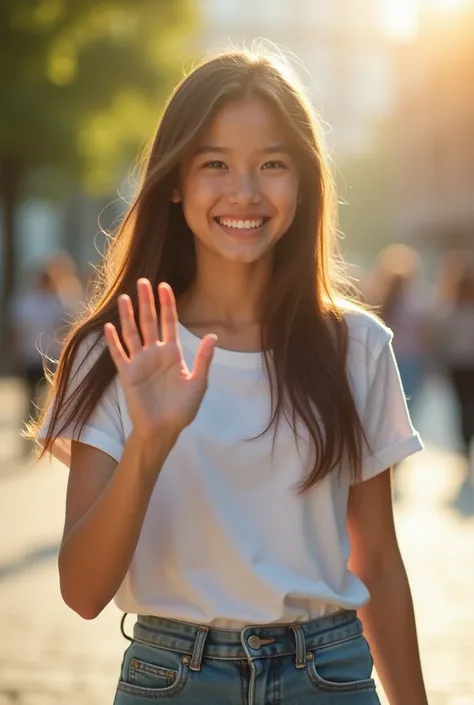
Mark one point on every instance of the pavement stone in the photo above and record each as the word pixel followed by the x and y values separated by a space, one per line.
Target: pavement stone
pixel 48 655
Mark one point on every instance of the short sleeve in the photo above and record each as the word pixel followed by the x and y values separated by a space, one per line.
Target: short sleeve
pixel 104 428
pixel 386 420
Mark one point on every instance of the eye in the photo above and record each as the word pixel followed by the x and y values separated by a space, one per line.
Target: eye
pixel 215 164
pixel 274 164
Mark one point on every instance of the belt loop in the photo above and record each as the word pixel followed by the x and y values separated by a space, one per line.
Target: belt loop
pixel 122 627
pixel 300 661
pixel 198 649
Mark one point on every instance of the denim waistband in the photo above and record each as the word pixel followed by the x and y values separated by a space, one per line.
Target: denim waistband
pixel 252 642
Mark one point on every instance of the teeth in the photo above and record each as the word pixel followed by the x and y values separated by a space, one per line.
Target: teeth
pixel 240 224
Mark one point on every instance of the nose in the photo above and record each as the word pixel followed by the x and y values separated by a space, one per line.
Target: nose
pixel 244 189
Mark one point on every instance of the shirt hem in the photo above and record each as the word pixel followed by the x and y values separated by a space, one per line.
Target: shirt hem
pixel 390 456
pixel 89 436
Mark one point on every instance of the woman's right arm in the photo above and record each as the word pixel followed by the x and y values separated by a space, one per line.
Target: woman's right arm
pixel 105 509
pixel 107 502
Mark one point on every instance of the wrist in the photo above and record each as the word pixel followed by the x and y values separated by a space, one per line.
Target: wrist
pixel 150 454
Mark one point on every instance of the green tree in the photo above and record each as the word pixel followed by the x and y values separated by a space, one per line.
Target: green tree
pixel 81 83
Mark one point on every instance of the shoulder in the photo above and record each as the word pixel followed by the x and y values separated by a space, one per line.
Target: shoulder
pixel 82 375
pixel 90 345
pixel 367 334
pixel 85 354
pixel 368 342
pixel 365 326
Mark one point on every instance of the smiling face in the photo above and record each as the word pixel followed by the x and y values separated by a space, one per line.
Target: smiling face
pixel 239 187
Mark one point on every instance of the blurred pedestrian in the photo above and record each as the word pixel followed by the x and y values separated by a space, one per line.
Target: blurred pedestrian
pixel 395 290
pixel 37 317
pixel 67 282
pixel 215 491
pixel 456 339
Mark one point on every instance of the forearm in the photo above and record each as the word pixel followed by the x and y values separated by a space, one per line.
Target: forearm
pixel 389 624
pixel 96 553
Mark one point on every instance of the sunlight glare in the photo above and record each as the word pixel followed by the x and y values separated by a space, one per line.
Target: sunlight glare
pixel 400 18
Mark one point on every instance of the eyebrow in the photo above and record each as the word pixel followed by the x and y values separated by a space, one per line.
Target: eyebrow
pixel 272 149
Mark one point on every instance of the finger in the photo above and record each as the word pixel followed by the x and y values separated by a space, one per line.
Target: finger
pixel 117 352
pixel 204 356
pixel 129 327
pixel 169 315
pixel 147 312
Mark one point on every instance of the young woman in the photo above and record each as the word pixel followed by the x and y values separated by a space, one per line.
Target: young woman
pixel 229 422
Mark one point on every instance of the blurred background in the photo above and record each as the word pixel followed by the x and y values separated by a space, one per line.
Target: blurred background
pixel 82 85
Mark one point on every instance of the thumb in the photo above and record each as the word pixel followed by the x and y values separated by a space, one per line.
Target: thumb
pixel 203 359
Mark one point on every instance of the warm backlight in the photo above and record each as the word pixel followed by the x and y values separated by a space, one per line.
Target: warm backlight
pixel 400 17
pixel 446 4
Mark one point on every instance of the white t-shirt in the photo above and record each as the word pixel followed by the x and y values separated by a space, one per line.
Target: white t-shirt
pixel 226 539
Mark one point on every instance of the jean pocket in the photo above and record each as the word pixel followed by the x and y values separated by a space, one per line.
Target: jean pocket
pixel 152 673
pixel 147 675
pixel 342 667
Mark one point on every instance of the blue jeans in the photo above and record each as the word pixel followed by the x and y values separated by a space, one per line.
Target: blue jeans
pixel 323 662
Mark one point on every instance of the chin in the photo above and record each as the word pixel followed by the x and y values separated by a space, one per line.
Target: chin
pixel 245 257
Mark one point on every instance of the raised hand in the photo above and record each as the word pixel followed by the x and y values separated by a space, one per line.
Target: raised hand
pixel 162 395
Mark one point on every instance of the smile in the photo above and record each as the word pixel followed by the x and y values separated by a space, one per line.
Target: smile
pixel 238 224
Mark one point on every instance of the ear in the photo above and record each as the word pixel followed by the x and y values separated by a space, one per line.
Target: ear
pixel 176 195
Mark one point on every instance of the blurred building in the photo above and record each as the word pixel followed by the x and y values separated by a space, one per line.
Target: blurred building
pixel 435 130
pixel 341 43
pixel 75 226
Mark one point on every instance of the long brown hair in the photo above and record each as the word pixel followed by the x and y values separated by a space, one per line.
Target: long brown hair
pixel 303 323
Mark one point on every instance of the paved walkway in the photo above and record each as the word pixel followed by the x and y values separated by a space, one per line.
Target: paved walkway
pixel 49 656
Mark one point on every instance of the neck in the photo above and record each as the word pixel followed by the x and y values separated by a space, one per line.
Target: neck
pixel 226 293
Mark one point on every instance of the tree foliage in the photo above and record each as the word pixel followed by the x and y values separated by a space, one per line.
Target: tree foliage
pixel 82 80
pixel 81 85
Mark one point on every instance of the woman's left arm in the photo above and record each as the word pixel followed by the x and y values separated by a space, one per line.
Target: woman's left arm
pixel 388 618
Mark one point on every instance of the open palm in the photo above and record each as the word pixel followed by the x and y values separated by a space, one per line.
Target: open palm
pixel 161 392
